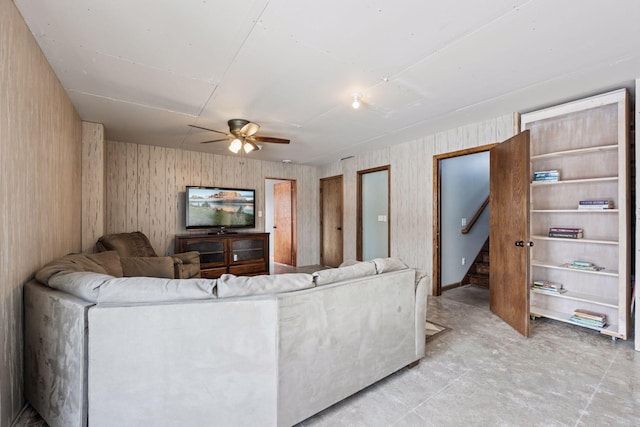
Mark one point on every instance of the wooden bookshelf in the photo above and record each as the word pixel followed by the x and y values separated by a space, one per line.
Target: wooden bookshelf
pixel 586 141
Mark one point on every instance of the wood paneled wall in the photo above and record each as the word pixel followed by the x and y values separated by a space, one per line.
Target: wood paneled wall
pixel 40 186
pixel 411 185
pixel 145 191
pixel 93 182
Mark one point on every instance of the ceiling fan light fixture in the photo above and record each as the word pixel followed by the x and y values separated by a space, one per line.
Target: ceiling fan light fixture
pixel 355 101
pixel 248 147
pixel 235 146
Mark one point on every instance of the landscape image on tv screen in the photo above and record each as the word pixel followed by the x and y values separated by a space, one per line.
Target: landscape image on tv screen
pixel 219 207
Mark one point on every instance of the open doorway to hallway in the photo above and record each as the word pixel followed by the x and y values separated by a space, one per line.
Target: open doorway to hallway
pixel 461 224
pixel 280 221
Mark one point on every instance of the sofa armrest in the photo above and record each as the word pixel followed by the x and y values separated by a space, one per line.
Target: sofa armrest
pixel 55 354
pixel 192 257
pixel 423 286
pixel 186 265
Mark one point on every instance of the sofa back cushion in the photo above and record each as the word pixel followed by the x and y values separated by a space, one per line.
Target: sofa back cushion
pixel 126 244
pixel 130 290
pixel 354 271
pixel 239 286
pixel 148 266
pixel 103 263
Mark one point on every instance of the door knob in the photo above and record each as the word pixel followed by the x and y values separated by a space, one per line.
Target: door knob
pixel 520 243
pixel 529 244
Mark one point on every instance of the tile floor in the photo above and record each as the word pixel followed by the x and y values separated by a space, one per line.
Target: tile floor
pixel 483 373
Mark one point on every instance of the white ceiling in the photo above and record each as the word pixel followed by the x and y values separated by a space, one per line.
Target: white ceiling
pixel 147 69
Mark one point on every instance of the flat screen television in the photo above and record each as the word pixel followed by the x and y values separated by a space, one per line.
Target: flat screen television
pixel 220 208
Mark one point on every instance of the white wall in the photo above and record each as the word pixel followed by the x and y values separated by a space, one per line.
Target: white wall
pixel 464 186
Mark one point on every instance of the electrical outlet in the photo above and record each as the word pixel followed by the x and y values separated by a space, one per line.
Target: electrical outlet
pixel 464 221
pixel 464 260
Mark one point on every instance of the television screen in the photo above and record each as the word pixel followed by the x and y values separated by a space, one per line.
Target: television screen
pixel 211 207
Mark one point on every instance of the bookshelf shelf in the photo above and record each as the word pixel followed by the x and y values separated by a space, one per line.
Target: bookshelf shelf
pixel 542 264
pixel 576 152
pixel 586 141
pixel 611 329
pixel 576 296
pixel 574 181
pixel 572 211
pixel 560 239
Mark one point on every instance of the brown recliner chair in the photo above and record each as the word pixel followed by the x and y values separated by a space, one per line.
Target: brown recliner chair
pixel 136 252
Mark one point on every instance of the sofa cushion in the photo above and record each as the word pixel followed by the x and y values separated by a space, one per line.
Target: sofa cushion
pixel 103 262
pixel 354 271
pixel 85 285
pixel 126 290
pixel 148 267
pixel 385 265
pixel 238 286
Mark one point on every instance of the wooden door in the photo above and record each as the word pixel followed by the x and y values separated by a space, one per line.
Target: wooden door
pixel 509 231
pixel 331 250
pixel 282 223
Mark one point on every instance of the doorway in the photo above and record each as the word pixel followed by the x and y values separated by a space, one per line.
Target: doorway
pixel 458 201
pixel 373 232
pixel 280 220
pixel 331 215
pixel 508 228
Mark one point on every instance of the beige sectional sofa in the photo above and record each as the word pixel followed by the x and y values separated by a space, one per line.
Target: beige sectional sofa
pixel 102 350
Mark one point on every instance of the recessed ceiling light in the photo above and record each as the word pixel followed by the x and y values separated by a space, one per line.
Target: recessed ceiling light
pixel 356 101
pixel 286 161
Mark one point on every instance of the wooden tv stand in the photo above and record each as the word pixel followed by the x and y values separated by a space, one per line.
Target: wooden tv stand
pixel 242 254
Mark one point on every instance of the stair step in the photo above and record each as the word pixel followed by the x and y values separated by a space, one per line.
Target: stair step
pixel 479 279
pixel 482 268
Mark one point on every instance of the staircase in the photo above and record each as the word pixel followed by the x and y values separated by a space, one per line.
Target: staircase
pixel 478 273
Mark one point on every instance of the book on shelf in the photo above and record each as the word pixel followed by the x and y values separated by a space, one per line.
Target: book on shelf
pixel 552 175
pixel 566 232
pixel 596 205
pixel 548 286
pixel 582 265
pixel 589 318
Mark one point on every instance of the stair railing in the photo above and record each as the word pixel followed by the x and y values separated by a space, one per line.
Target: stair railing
pixel 475 216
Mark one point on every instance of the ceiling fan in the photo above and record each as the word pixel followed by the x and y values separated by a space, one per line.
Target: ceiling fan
pixel 242 135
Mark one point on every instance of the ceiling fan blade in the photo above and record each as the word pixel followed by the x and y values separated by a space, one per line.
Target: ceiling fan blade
pixel 212 130
pixel 249 129
pixel 270 139
pixel 214 140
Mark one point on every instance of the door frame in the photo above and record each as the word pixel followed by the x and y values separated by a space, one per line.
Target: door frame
pixel 294 216
pixel 322 181
pixel 437 255
pixel 359 209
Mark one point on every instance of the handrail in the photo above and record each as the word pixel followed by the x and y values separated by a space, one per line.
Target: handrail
pixel 475 217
